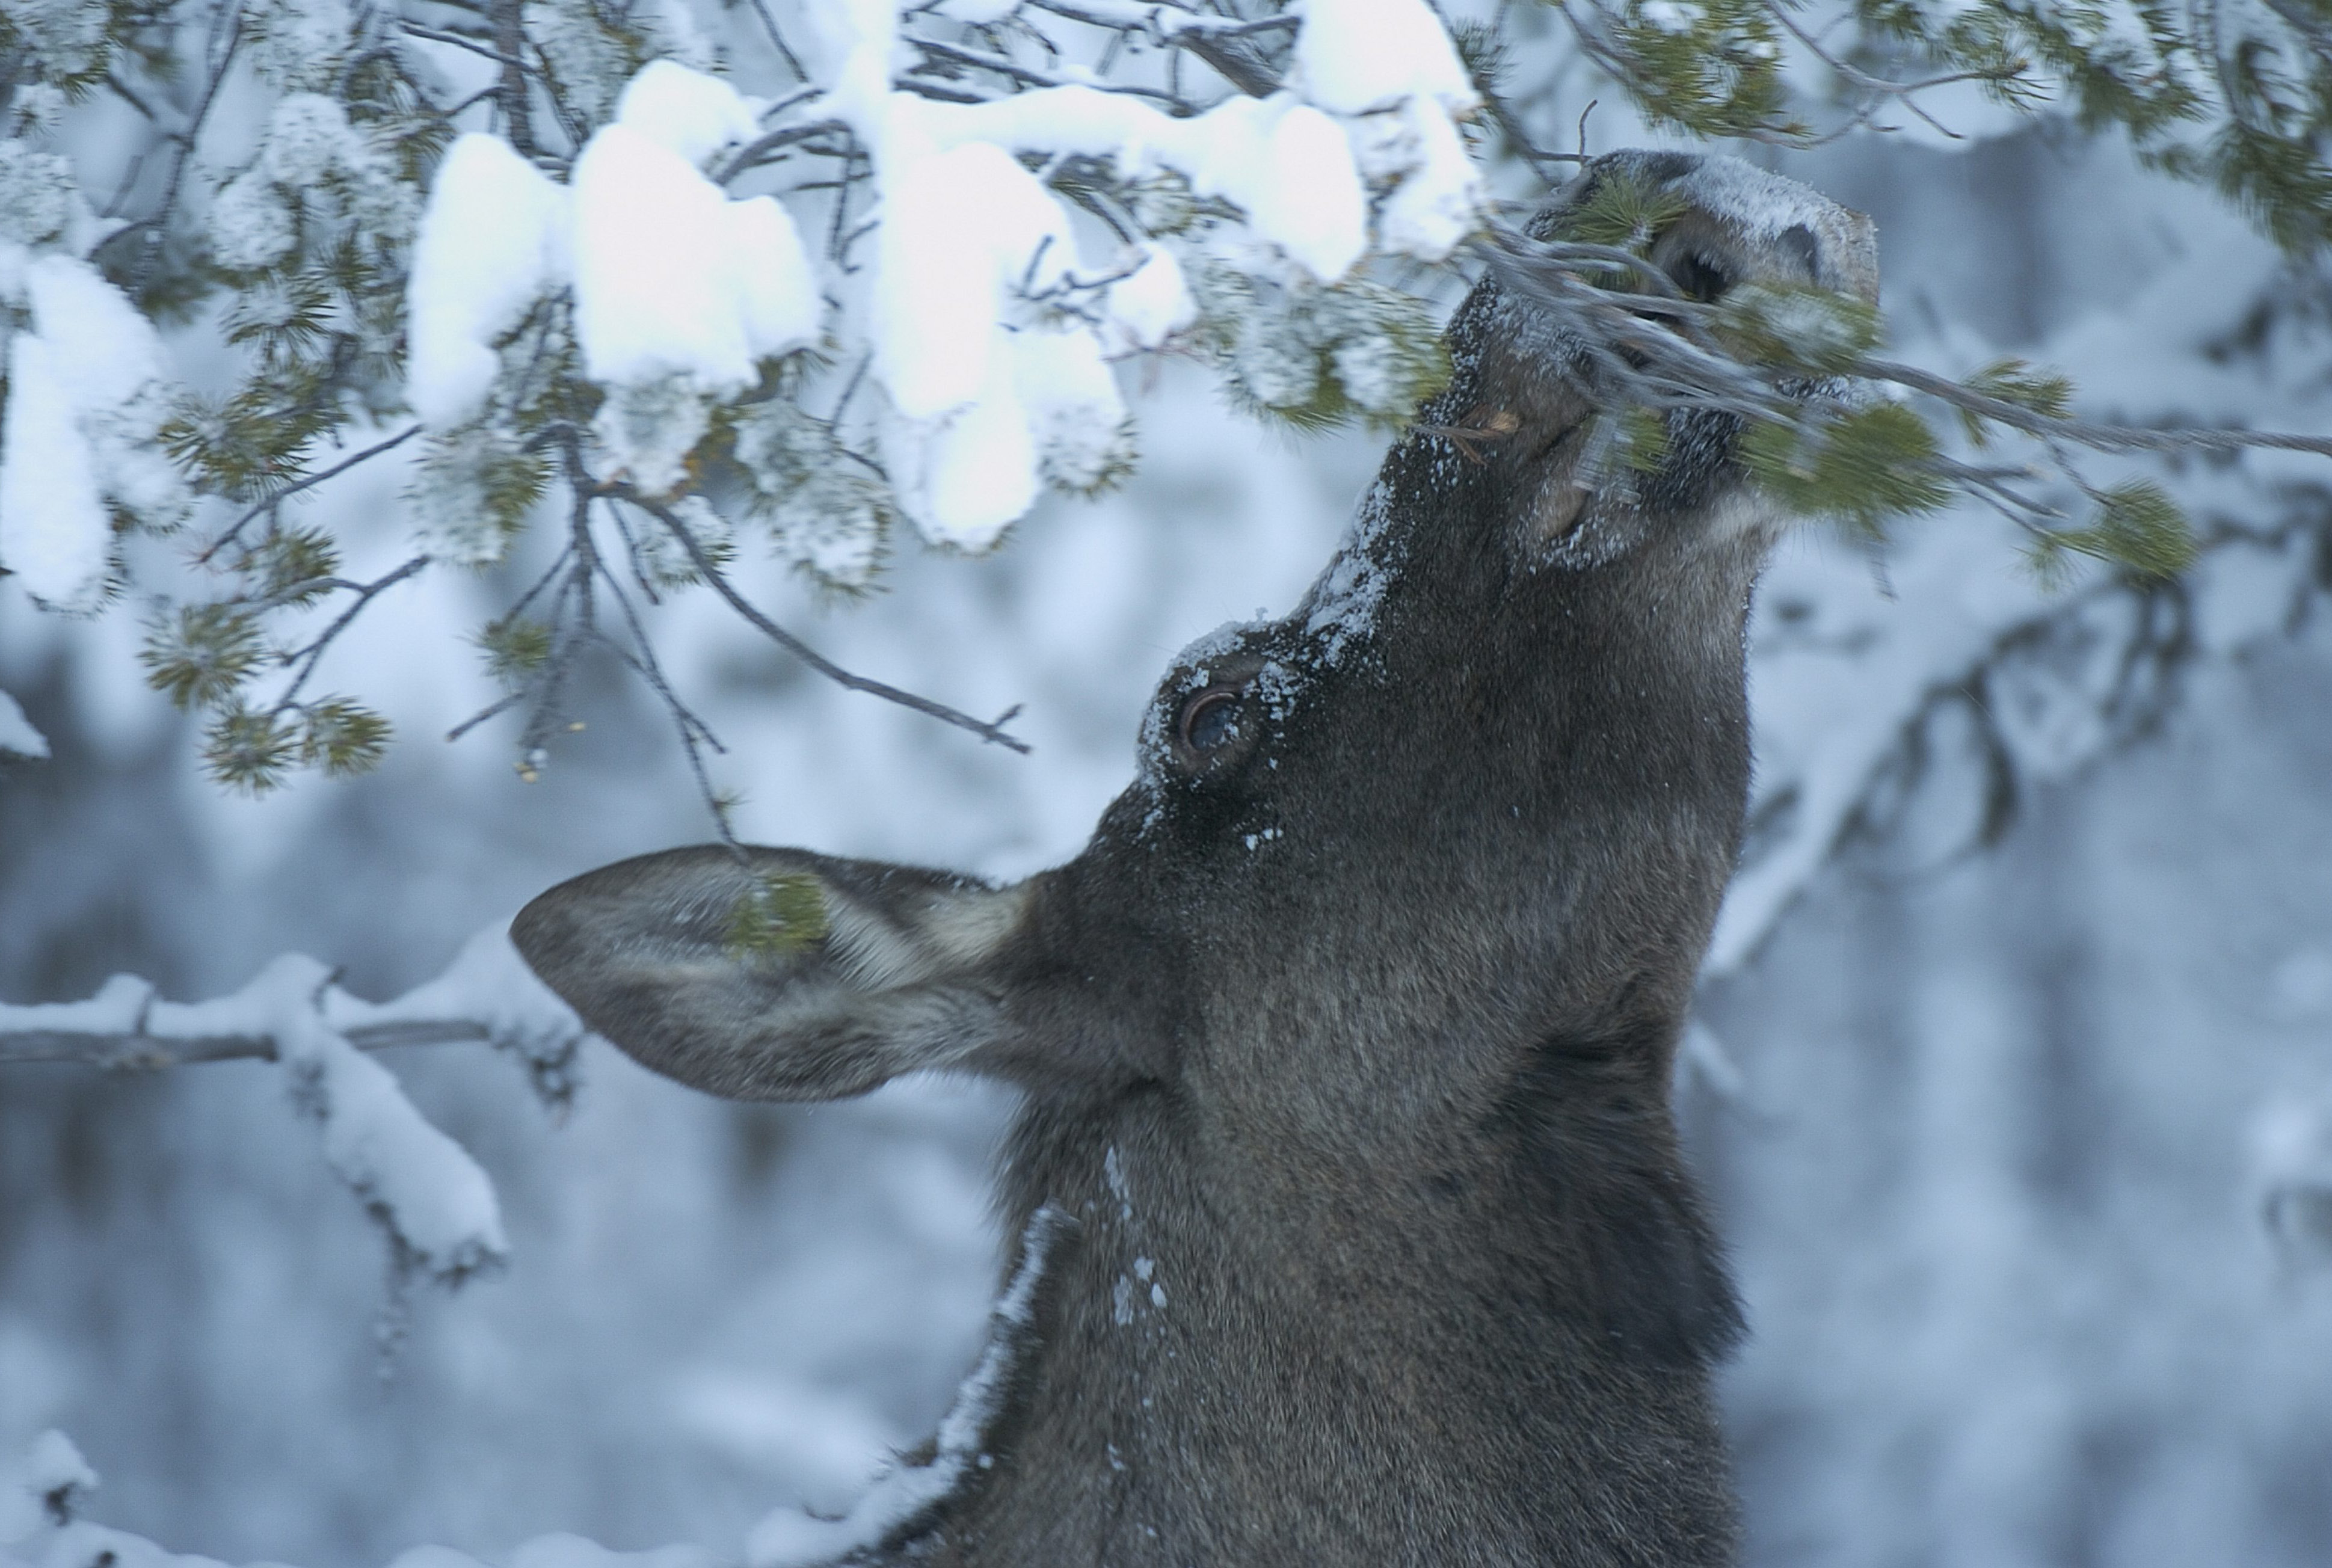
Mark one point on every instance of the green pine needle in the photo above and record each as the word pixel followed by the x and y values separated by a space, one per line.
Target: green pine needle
pixel 1806 329
pixel 199 655
pixel 778 916
pixel 1864 468
pixel 2138 527
pixel 343 737
pixel 2044 392
pixel 1623 213
pixel 515 648
pixel 249 752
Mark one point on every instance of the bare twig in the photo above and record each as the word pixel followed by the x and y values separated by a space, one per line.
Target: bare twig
pixel 793 645
pixel 309 657
pixel 754 151
pixel 309 482
pixel 695 732
pixel 438 35
pixel 777 39
pixel 158 222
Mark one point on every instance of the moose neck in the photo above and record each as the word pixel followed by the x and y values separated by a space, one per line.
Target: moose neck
pixel 1468 1314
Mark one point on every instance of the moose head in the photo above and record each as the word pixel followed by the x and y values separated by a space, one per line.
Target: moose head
pixel 1351 1225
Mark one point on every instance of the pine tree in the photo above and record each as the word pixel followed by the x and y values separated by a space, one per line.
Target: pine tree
pixel 289 216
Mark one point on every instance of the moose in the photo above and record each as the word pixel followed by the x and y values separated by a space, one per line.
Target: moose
pixel 1350 1224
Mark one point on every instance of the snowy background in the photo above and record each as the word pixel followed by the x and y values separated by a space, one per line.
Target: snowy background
pixel 2013 1080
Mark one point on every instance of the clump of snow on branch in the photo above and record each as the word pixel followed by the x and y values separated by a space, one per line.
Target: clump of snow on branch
pixel 77 440
pixel 990 318
pixel 670 274
pixel 436 1205
pixel 494 237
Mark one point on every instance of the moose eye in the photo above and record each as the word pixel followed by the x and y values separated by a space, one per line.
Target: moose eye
pixel 1210 721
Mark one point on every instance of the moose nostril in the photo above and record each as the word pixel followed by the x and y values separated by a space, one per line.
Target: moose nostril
pixel 1211 721
pixel 1698 277
pixel 1798 242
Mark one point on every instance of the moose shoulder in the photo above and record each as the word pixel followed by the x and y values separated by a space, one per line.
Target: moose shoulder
pixel 1351 1223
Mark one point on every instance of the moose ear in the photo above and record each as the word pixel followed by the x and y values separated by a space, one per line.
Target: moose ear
pixel 780 974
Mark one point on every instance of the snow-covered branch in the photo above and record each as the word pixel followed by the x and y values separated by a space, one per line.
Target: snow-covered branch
pixel 437 1206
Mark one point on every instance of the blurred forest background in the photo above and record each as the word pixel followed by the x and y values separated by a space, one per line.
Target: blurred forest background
pixel 2012 1080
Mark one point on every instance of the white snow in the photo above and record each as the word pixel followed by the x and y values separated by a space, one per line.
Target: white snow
pixel 308 137
pixel 1438 202
pixel 77 428
pixel 961 229
pixel 969 233
pixel 251 224
pixel 487 984
pixel 1352 56
pixel 560 1550
pixel 1283 162
pixel 669 275
pixel 422 1185
pixel 17 735
pixel 1077 416
pixel 46 1487
pixel 981 409
pixel 687 111
pixel 54 530
pixel 494 240
pixel 968 474
pixel 673 276
pixel 1150 304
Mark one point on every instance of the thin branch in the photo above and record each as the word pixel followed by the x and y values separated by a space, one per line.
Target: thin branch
pixel 1879 88
pixel 158 222
pixel 695 732
pixel 793 645
pixel 769 25
pixel 121 1051
pixel 312 480
pixel 1166 23
pixel 126 1028
pixel 501 704
pixel 313 654
pixel 460 40
pixel 1029 74
pixel 2099 437
pixel 754 151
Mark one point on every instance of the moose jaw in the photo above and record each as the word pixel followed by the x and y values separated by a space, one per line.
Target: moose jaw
pixel 1351 1222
